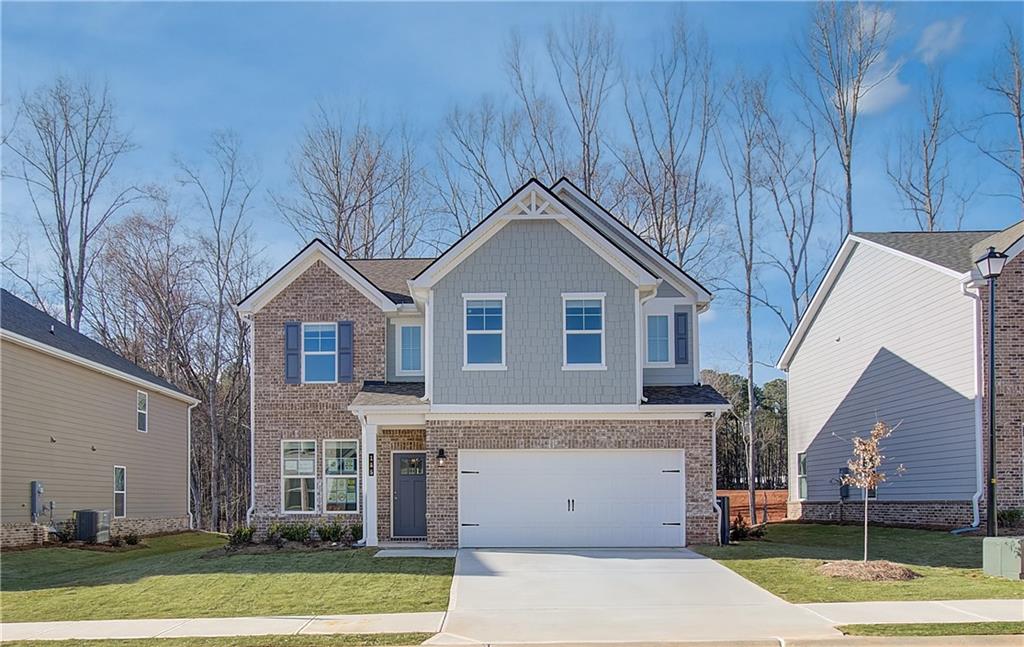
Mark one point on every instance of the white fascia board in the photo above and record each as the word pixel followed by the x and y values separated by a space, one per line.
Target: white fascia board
pixel 392 416
pixel 300 263
pixel 675 277
pixel 533 202
pixel 13 337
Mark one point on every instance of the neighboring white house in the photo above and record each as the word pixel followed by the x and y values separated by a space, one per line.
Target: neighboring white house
pixel 895 333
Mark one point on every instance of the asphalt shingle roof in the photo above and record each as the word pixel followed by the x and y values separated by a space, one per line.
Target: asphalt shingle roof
pixel 20 318
pixel 376 394
pixel 688 394
pixel 950 249
pixel 390 274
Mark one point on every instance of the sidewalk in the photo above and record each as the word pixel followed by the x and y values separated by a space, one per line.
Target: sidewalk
pixel 871 613
pixel 196 627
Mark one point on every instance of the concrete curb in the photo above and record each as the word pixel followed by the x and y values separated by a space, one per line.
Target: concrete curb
pixel 848 641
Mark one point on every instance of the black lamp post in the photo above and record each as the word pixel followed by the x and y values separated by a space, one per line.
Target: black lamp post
pixel 990 266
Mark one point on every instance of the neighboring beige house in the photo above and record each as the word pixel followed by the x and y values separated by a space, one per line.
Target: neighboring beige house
pixel 896 332
pixel 98 431
pixel 534 385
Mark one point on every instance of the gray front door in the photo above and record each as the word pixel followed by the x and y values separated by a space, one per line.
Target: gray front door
pixel 410 496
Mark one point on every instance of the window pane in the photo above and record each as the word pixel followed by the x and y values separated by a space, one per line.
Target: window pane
pixel 299 458
pixel 342 457
pixel 411 466
pixel 483 349
pixel 300 494
pixel 657 339
pixel 118 505
pixel 119 479
pixel 583 349
pixel 483 314
pixel 320 368
pixel 583 314
pixel 141 421
pixel 319 338
pixel 411 353
pixel 341 495
pixel 143 402
pixel 801 464
pixel 802 487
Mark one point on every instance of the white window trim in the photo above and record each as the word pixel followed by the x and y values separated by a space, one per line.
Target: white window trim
pixel 325 477
pixel 801 476
pixel 490 296
pixel 669 330
pixel 398 347
pixel 138 411
pixel 302 351
pixel 574 296
pixel 316 480
pixel 123 492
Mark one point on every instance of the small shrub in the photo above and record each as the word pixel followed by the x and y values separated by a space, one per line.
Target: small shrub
pixel 1010 516
pixel 131 538
pixel 241 535
pixel 357 531
pixel 117 542
pixel 337 533
pixel 291 531
pixel 740 530
pixel 64 531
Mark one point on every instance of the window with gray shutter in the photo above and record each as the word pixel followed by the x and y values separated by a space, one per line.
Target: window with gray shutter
pixel 682 338
pixel 345 347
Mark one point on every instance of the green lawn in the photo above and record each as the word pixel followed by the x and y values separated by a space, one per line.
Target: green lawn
pixel 784 563
pixel 351 640
pixel 936 629
pixel 171 579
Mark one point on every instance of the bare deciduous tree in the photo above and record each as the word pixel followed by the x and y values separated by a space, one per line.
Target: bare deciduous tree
pixel 64 152
pixel 844 50
pixel 920 172
pixel 739 140
pixel 671 111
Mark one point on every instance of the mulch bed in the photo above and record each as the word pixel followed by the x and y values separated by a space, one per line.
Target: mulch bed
pixel 99 548
pixel 878 570
pixel 271 548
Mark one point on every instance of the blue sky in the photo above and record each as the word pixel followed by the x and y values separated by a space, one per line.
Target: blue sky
pixel 181 70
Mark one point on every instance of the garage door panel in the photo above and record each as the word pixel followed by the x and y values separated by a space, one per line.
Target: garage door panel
pixel 571 498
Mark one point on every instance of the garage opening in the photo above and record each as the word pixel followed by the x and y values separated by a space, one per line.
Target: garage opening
pixel 571 498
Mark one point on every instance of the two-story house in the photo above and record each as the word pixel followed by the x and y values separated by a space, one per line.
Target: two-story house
pixel 898 331
pixel 535 385
pixel 84 428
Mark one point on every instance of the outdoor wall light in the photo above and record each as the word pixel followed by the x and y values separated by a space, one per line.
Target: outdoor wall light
pixel 441 456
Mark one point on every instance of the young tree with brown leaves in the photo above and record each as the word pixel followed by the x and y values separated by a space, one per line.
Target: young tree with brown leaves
pixel 865 467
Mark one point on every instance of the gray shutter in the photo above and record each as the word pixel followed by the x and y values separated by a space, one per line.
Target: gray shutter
pixel 682 338
pixel 345 351
pixel 292 352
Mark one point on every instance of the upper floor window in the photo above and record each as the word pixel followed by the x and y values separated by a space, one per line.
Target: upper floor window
pixel 484 338
pixel 583 331
pixel 142 411
pixel 410 349
pixel 657 339
pixel 319 352
pixel 298 475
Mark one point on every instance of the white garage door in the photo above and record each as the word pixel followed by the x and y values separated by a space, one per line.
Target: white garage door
pixel 571 498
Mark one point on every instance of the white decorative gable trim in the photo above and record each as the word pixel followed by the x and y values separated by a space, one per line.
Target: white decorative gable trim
pixel 532 202
pixel 310 254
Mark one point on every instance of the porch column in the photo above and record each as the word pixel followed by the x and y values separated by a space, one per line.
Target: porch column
pixel 369 484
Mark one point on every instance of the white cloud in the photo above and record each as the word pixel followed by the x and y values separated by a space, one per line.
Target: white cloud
pixel 940 37
pixel 884 86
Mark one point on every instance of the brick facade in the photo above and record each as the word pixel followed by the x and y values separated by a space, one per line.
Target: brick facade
pixel 308 411
pixel 693 436
pixel 940 514
pixel 31 534
pixel 1009 385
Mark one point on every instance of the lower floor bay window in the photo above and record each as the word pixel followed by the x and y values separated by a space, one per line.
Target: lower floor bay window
pixel 298 475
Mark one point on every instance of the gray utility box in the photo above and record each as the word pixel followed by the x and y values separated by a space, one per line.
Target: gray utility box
pixel 1001 557
pixel 92 526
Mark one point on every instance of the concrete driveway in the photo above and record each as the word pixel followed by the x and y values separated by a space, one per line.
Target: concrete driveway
pixel 523 595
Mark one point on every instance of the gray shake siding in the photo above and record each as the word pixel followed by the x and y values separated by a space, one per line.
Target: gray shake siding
pixel 534 263
pixel 893 341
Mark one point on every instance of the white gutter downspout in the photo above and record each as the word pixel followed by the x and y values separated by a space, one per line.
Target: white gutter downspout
pixel 252 420
pixel 188 472
pixel 979 389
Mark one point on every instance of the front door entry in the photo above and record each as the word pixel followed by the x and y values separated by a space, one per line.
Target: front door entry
pixel 409 500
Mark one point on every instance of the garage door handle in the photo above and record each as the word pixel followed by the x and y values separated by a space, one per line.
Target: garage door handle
pixel 568 505
pixel 669 523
